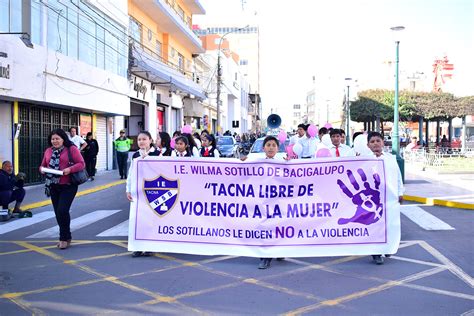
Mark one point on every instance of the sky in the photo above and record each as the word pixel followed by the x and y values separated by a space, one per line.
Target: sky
pixel 336 39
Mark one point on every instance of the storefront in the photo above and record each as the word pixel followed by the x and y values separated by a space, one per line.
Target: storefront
pixel 160 117
pixel 141 98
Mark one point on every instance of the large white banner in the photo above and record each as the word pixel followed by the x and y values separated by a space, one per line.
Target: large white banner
pixel 267 208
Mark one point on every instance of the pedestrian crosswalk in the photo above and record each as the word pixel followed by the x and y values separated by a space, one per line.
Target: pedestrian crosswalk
pixel 17 224
pixel 76 223
pixel 119 228
pixel 424 219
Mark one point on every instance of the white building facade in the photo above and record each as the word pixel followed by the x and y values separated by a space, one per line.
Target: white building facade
pixel 74 75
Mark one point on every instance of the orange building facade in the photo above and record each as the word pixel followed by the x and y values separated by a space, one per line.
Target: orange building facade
pixel 162 75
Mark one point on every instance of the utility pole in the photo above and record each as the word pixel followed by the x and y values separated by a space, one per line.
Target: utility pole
pixel 348 113
pixel 219 82
pixel 219 75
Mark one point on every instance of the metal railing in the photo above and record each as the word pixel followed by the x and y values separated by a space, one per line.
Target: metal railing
pixel 137 46
pixel 454 160
pixel 182 15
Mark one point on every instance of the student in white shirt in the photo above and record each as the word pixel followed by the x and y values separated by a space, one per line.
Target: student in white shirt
pixel 181 147
pixel 305 141
pixel 208 148
pixel 192 145
pixel 76 139
pixel 336 149
pixel 343 139
pixel 271 146
pixel 376 144
pixel 146 149
pixel 197 140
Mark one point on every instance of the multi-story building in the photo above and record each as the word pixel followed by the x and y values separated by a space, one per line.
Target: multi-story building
pixel 313 113
pixel 234 94
pixel 68 69
pixel 245 40
pixel 162 46
pixel 203 115
pixel 299 116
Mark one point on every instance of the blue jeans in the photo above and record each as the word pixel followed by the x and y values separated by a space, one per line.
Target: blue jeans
pixel 6 197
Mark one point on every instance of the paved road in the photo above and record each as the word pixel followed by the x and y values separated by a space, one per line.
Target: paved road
pixel 430 275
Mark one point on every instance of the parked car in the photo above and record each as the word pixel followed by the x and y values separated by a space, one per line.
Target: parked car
pixel 227 146
pixel 256 151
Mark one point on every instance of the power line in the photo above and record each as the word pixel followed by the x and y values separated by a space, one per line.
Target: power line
pixel 60 13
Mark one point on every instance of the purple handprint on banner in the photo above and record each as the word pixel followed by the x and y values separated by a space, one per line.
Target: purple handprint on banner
pixel 369 209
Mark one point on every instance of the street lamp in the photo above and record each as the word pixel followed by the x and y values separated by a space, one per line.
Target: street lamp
pixel 395 134
pixel 348 113
pixel 219 75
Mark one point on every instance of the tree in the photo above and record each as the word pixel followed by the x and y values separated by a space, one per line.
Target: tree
pixel 379 103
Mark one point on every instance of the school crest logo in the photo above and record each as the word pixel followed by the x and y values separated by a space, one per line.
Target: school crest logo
pixel 161 194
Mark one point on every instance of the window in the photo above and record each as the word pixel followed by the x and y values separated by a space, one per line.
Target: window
pixel 72 28
pixel 188 65
pixel 296 106
pixel 158 48
pixel 111 54
pixel 297 114
pixel 180 12
pixel 10 16
pixel 35 21
pixel 57 36
pixel 72 33
pixel 87 33
pixel 181 62
pixel 4 16
pixel 135 30
pixel 100 33
pixel 243 62
pixel 15 13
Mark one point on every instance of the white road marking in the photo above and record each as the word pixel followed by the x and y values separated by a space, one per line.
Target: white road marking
pixel 76 223
pixel 457 271
pixel 424 219
pixel 20 223
pixel 118 230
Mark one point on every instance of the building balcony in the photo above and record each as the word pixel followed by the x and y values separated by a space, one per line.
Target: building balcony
pixel 170 21
pixel 148 65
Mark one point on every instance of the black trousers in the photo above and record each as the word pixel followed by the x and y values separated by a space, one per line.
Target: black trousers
pixel 62 196
pixel 90 165
pixel 122 158
pixel 6 197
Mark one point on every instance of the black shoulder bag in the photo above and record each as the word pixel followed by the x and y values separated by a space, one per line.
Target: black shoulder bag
pixel 79 177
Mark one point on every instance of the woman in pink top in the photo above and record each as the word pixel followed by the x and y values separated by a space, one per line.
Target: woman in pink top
pixel 59 187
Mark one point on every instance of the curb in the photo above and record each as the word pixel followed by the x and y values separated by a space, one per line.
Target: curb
pixel 81 193
pixel 432 201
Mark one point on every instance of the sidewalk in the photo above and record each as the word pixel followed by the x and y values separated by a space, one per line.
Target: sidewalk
pixel 452 190
pixel 35 196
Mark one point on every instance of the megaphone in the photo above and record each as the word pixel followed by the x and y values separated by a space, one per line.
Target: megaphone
pixel 274 121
